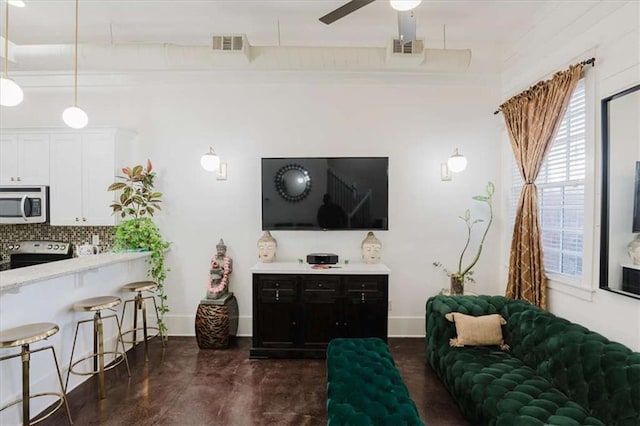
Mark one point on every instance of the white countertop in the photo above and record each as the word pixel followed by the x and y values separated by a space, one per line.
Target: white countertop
pixel 357 268
pixel 14 278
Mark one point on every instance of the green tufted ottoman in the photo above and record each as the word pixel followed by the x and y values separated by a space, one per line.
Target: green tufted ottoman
pixel 364 387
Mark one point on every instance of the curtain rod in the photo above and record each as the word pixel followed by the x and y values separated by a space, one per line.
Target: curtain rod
pixel 591 61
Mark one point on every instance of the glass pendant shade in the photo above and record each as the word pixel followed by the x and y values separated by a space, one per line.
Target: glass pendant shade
pixel 10 93
pixel 457 162
pixel 75 117
pixel 210 161
pixel 404 5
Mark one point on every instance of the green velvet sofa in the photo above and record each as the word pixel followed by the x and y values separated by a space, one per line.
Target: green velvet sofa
pixel 555 372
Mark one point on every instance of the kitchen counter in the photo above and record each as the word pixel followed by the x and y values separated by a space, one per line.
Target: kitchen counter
pixel 47 293
pixel 13 279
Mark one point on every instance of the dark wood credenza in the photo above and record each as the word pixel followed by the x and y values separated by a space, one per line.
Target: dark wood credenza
pixel 298 310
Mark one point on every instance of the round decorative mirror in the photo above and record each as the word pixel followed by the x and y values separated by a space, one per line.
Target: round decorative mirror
pixel 293 182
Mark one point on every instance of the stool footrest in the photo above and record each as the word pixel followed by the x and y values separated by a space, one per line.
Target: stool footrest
pixel 118 359
pixel 149 336
pixel 42 417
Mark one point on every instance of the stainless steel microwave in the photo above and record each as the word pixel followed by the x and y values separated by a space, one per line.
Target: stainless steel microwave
pixel 24 204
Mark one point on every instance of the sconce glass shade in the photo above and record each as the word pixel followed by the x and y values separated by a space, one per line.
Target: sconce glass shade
pixel 210 161
pixel 403 5
pixel 16 3
pixel 75 118
pixel 457 162
pixel 10 93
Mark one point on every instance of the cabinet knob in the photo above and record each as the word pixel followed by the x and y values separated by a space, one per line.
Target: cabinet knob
pixel 319 284
pixel 293 323
pixel 277 285
pixel 344 323
pixel 13 179
pixel 77 219
pixel 362 286
pixel 337 323
pixel 18 179
pixel 84 219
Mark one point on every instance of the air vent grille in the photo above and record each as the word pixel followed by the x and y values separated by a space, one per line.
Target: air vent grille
pixel 228 43
pixel 412 47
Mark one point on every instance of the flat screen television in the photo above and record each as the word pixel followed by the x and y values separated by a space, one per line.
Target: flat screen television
pixel 330 193
pixel 636 200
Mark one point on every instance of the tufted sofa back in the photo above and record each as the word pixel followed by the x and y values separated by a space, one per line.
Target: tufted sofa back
pixel 600 375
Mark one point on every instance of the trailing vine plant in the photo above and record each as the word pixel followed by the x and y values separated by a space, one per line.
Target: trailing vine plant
pixel 465 273
pixel 137 203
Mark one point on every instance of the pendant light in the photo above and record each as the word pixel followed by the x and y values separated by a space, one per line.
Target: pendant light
pixel 10 93
pixel 457 162
pixel 74 116
pixel 404 5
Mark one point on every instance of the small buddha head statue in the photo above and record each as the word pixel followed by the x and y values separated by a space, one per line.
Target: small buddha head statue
pixel 267 246
pixel 371 247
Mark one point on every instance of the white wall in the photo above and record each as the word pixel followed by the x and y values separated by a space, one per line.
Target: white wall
pixel 416 121
pixel 564 33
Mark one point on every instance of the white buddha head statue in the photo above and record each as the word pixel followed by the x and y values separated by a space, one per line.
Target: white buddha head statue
pixel 267 246
pixel 371 247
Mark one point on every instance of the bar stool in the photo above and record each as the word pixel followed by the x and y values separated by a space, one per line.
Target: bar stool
pixel 140 305
pixel 24 336
pixel 98 304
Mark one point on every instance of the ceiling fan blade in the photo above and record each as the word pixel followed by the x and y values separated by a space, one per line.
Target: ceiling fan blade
pixel 344 10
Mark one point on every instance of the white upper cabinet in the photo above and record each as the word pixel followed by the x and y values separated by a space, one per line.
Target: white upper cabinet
pixel 24 159
pixel 83 165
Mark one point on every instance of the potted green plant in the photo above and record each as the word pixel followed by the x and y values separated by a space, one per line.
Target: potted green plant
pixel 465 274
pixel 137 203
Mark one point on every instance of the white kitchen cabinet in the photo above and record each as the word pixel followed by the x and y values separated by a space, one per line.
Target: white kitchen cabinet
pixel 83 165
pixel 24 159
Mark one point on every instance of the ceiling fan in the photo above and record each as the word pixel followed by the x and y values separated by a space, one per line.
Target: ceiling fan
pixel 406 16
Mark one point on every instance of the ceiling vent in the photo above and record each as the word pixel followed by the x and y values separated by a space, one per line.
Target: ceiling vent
pixel 231 44
pixel 416 46
pixel 410 54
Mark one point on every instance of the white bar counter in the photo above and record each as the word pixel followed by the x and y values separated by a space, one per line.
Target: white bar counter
pixel 13 279
pixel 46 293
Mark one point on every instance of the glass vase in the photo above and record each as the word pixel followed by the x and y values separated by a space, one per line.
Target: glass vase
pixel 457 285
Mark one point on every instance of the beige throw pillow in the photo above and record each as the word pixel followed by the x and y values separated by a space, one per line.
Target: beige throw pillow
pixel 477 331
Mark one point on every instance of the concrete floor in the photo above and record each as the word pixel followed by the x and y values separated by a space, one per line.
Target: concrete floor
pixel 188 386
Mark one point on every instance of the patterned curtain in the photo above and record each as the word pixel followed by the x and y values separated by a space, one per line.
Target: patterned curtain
pixel 533 118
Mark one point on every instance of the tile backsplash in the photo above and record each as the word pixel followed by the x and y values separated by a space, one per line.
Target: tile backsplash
pixel 40 231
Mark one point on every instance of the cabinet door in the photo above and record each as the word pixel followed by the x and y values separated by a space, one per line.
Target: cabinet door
pixel 98 172
pixel 321 320
pixel 365 306
pixel 65 192
pixel 33 159
pixel 276 322
pixel 8 159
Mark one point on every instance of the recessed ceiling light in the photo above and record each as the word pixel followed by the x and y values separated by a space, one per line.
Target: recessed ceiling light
pixel 16 3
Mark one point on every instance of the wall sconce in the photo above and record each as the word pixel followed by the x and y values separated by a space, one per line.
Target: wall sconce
pixel 456 163
pixel 211 163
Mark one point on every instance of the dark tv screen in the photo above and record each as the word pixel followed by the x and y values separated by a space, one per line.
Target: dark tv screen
pixel 636 200
pixel 325 193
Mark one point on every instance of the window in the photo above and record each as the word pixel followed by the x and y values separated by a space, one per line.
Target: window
pixel 561 192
